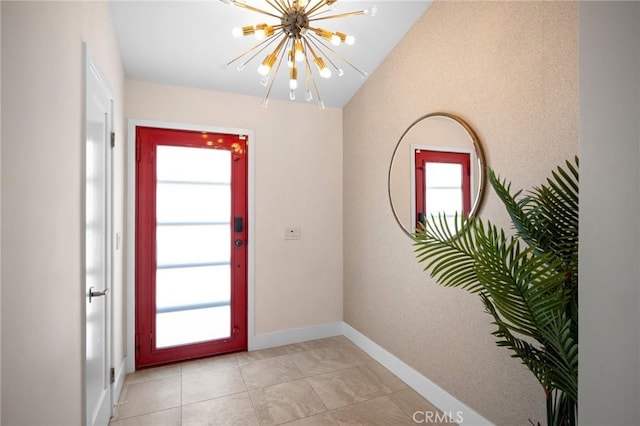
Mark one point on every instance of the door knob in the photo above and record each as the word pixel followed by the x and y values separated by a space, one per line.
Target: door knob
pixel 93 294
pixel 238 243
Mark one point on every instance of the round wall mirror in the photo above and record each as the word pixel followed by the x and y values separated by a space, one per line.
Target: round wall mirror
pixel 437 167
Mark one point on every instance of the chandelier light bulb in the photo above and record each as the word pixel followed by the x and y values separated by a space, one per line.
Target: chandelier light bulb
pixel 266 65
pixel 350 40
pixel 308 96
pixel 290 59
pixel 237 32
pixel 293 79
pixel 340 72
pixel 335 40
pixel 299 51
pixel 292 95
pixel 261 31
pixel 263 70
pixel 325 72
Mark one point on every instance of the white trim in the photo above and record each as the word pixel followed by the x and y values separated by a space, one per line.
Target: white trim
pixel 425 387
pixel 131 203
pixel 91 67
pixel 296 335
pixel 120 375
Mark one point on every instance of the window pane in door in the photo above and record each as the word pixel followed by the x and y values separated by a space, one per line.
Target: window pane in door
pixel 193 245
pixel 192 202
pixel 184 164
pixel 176 287
pixel 443 188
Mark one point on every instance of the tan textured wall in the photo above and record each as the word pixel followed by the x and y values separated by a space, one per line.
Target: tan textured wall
pixel 42 203
pixel 297 175
pixel 511 70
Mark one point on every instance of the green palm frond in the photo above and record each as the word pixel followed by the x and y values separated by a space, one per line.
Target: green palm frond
pixel 528 282
pixel 562 352
pixel 450 255
pixel 531 356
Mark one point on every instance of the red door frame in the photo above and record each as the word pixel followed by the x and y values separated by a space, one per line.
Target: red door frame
pixel 147 140
pixel 423 156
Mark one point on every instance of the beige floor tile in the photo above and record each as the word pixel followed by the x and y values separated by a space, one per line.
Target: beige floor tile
pixel 354 353
pixel 411 402
pixel 308 346
pixel 354 385
pixel 233 410
pixel 323 382
pixel 170 417
pixel 386 377
pixel 337 340
pixel 211 383
pixel 147 397
pixel 323 419
pixel 375 412
pixel 198 365
pixel 285 402
pixel 321 361
pixel 153 374
pixel 246 357
pixel 270 371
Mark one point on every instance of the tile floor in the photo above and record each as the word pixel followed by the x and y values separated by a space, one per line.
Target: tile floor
pixel 320 382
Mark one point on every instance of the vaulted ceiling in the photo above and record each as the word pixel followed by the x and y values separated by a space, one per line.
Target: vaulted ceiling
pixel 189 43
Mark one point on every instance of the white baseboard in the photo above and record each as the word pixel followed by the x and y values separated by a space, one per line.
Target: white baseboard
pixel 425 387
pixel 296 335
pixel 120 374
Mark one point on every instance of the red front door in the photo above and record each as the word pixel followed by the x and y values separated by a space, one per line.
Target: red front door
pixel 443 184
pixel 191 237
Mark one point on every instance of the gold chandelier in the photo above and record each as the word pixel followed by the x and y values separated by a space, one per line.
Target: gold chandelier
pixel 298 40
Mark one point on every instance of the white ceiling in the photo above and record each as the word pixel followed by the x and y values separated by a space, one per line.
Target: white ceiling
pixel 188 43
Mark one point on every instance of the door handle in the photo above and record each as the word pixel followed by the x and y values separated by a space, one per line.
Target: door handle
pixel 93 294
pixel 238 243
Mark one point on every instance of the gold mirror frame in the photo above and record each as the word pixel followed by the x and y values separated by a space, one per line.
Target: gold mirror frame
pixel 477 197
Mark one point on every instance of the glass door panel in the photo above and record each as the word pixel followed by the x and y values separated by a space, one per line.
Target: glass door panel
pixel 193 254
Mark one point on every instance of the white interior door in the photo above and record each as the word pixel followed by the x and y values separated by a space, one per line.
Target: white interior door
pixel 97 249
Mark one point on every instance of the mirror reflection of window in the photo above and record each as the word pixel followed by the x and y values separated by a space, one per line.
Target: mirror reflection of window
pixel 443 184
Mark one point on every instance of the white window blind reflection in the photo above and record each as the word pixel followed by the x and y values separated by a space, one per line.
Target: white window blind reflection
pixel 444 197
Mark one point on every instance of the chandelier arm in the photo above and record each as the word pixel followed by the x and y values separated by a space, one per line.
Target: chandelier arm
pixel 264 43
pixel 310 72
pixel 275 73
pixel 319 45
pixel 339 15
pixel 255 9
pixel 317 6
pixel 282 42
pixel 276 6
pixel 362 73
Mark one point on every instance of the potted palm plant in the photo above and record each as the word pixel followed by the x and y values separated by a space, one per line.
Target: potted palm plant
pixel 528 281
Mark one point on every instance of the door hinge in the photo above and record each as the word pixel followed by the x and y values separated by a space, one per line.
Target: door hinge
pixel 113 139
pixel 112 375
